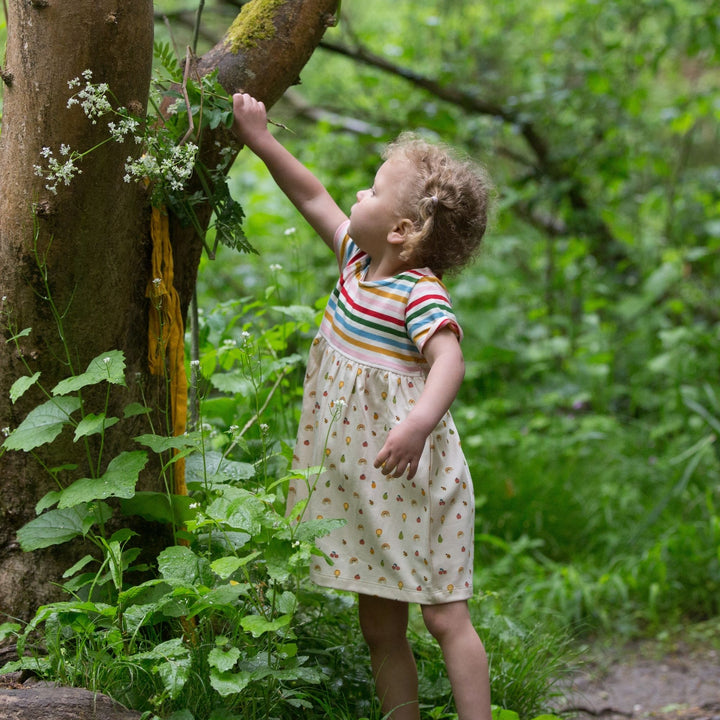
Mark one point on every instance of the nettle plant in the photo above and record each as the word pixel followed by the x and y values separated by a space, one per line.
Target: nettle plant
pixel 215 626
pixel 209 628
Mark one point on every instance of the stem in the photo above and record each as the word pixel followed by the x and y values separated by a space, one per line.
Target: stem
pixel 196 29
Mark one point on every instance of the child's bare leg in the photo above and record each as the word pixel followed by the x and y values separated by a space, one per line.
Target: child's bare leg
pixel 384 627
pixel 465 658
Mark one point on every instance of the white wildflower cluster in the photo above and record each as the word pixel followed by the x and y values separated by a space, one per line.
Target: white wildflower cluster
pixel 58 171
pixel 172 170
pixel 126 126
pixel 92 98
pixel 274 267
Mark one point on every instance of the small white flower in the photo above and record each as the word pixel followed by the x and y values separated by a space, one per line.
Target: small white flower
pixel 290 231
pixel 194 506
pixel 64 149
pixel 275 267
pixel 195 363
pixel 157 281
pixel 264 428
pixel 5 431
pixel 107 360
pixel 46 152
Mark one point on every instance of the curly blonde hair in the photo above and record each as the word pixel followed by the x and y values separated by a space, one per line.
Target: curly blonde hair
pixel 448 201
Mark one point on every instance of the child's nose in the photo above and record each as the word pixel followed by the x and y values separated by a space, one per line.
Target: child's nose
pixel 361 194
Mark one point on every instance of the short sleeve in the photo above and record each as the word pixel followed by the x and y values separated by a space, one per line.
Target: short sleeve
pixel 343 245
pixel 428 310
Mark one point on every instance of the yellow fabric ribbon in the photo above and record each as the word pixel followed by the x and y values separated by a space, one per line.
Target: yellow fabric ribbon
pixel 166 333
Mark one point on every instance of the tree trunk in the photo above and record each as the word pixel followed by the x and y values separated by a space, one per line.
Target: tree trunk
pixel 93 235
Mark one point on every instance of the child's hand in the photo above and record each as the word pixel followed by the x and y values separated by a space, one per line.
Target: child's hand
pixel 402 450
pixel 250 118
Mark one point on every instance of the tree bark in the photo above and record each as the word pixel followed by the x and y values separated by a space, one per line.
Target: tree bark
pixel 93 235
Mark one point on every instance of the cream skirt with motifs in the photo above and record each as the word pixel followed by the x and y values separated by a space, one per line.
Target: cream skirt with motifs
pixel 403 540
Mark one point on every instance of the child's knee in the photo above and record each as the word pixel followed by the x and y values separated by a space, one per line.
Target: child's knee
pixel 441 620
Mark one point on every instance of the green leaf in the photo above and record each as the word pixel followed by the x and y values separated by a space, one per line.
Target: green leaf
pixel 92 424
pixel 57 526
pixel 174 665
pixel 257 625
pixel 499 713
pixel 109 366
pixel 47 501
pixel 21 385
pixel 180 566
pixel 117 481
pixel 223 660
pixel 163 443
pixel 79 565
pixel 8 629
pixel 22 333
pixel 226 566
pixel 42 425
pixel 134 409
pixel 227 683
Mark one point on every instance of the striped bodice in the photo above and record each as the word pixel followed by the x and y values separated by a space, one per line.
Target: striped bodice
pixel 384 322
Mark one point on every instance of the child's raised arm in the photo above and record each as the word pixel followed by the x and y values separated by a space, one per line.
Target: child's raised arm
pixel 303 189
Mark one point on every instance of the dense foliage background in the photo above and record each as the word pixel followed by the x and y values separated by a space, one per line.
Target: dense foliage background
pixel 591 406
pixel 589 411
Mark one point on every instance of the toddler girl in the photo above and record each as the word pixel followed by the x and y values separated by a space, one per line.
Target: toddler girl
pixel 382 373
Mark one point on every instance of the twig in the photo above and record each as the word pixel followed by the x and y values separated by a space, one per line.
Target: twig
pixel 186 74
pixel 286 371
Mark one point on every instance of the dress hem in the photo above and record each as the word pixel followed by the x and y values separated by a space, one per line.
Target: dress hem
pixel 421 597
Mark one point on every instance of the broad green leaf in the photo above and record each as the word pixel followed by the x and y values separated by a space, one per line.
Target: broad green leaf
pixel 117 481
pixel 499 713
pixel 47 501
pixel 134 409
pixel 221 596
pixel 173 664
pixel 109 366
pixel 257 625
pixel 226 566
pixel 92 424
pixel 43 424
pixel 227 683
pixel 223 660
pixel 180 566
pixel 55 527
pixel 8 629
pixel 21 385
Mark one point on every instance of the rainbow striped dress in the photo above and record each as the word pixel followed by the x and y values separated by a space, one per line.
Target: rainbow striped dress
pixel 403 540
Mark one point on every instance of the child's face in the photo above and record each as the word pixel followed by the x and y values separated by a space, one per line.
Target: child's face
pixel 377 211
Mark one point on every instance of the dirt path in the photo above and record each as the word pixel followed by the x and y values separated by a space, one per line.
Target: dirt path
pixel 670 680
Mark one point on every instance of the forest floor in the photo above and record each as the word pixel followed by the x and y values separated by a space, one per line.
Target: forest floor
pixel 674 678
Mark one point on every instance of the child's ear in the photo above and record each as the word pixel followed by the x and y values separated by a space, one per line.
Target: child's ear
pixel 400 232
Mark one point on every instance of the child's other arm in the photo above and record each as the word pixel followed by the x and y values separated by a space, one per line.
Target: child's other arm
pixel 405 442
pixel 303 189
